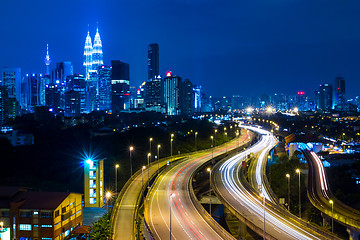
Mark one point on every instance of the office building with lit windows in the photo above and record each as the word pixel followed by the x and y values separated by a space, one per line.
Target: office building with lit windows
pixel 93 183
pixel 31 215
pixel 171 90
pixel 120 86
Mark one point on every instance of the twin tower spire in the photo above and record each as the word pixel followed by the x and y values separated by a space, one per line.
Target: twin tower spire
pixel 93 54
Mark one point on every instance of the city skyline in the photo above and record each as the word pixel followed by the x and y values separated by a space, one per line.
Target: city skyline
pixel 266 47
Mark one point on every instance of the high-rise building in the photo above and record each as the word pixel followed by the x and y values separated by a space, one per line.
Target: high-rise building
pixel 324 97
pixel 61 72
pixel 187 98
pixel 3 105
pixel 77 83
pixel 197 98
pixel 97 53
pixel 154 95
pixel 52 97
pixel 171 89
pixel 93 54
pixel 47 60
pixel 72 104
pixel 88 50
pixel 153 61
pixel 11 78
pixel 120 89
pixel 34 92
pixel 339 90
pixel 104 74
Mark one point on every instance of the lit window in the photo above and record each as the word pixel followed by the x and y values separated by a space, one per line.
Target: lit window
pixel 36 213
pixel 92 200
pixel 46 226
pixel 25 227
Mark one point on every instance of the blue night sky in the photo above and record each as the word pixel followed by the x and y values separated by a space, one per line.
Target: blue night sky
pixel 245 47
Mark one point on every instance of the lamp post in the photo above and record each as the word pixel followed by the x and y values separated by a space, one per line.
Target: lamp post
pixel 196 133
pixel 332 215
pixel 225 141
pixel 238 137
pixel 262 195
pixel 116 168
pixel 142 184
pixel 212 147
pixel 298 172
pixel 158 154
pixel 150 140
pixel 148 159
pixel 171 196
pixel 107 195
pixel 288 177
pixel 209 170
pixel 131 149
pixel 171 146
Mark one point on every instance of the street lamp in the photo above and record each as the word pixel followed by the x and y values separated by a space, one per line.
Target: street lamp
pixel 131 149
pixel 212 147
pixel 171 146
pixel 142 184
pixel 150 140
pixel 158 154
pixel 148 159
pixel 107 195
pixel 298 172
pixel 196 133
pixel 116 168
pixel 262 195
pixel 225 141
pixel 209 170
pixel 288 177
pixel 171 196
pixel 332 215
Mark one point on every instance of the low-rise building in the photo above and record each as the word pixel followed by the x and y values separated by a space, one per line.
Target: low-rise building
pixel 28 215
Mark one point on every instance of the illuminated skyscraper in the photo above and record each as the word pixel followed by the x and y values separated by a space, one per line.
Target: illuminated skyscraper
pixel 11 78
pixel 88 51
pixel 47 60
pixel 339 90
pixel 97 53
pixel 171 88
pixel 93 54
pixel 153 61
pixel 120 89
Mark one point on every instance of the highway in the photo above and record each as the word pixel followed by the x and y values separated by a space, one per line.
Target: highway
pixel 245 201
pixel 320 194
pixel 124 226
pixel 172 192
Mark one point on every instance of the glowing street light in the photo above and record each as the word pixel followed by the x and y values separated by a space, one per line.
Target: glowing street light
pixel 116 168
pixel 148 159
pixel 332 215
pixel 196 133
pixel 288 177
pixel 209 171
pixel 131 149
pixel 298 172
pixel 225 141
pixel 107 196
pixel 158 154
pixel 150 140
pixel 171 146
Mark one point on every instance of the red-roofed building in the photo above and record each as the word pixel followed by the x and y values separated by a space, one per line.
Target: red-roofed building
pixel 30 215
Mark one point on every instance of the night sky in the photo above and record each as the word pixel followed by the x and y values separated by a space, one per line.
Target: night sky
pixel 245 47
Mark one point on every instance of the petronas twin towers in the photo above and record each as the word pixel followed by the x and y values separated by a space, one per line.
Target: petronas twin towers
pixel 93 54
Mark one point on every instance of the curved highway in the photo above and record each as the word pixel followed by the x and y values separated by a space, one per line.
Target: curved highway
pixel 245 202
pixel 321 196
pixel 171 192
